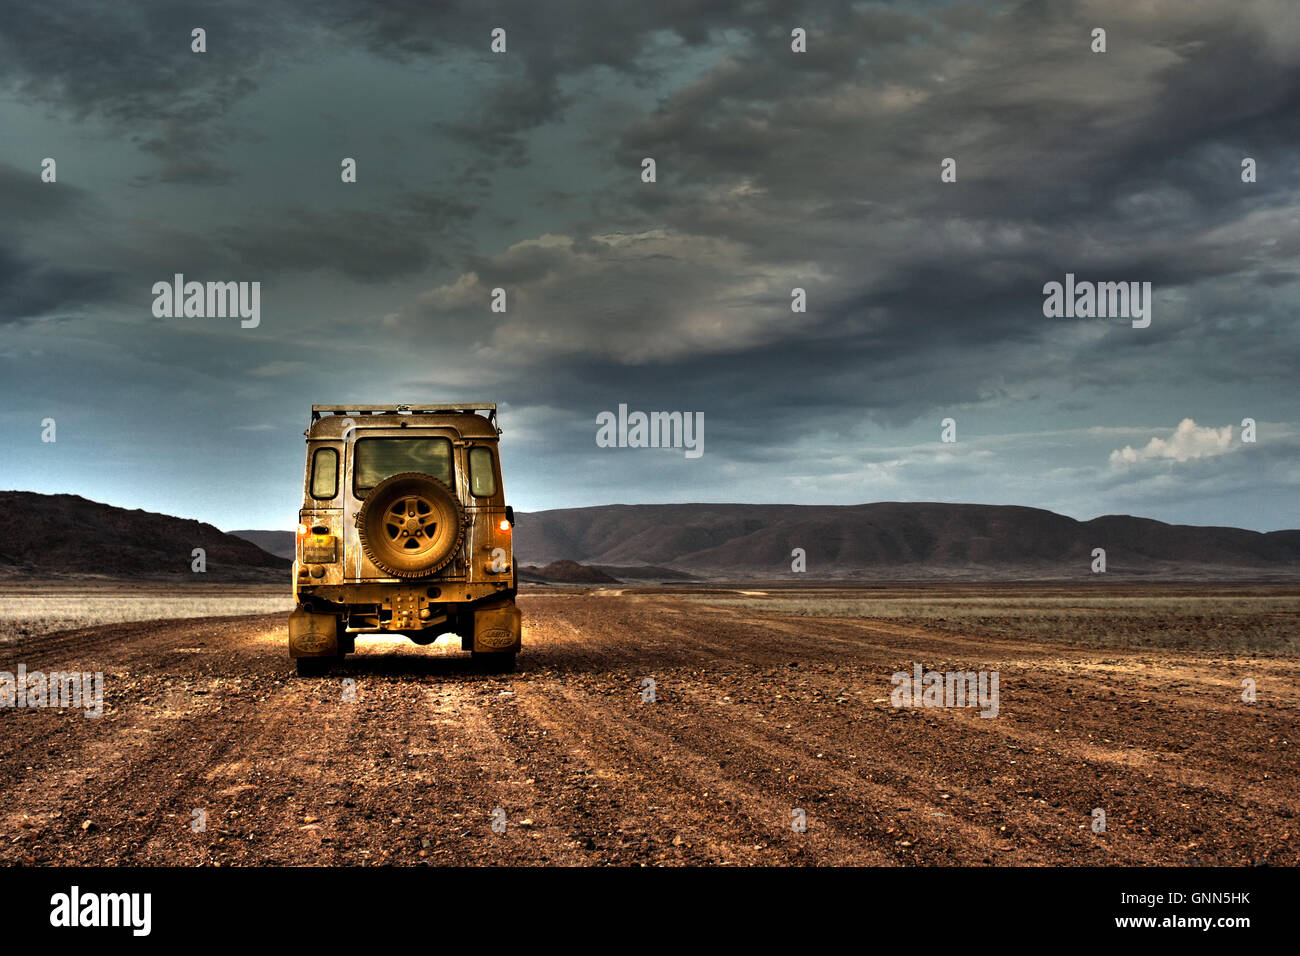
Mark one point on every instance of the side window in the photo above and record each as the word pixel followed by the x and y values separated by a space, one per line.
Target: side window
pixel 324 473
pixel 482 479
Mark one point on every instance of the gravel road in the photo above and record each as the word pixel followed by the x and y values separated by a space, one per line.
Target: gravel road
pixel 756 715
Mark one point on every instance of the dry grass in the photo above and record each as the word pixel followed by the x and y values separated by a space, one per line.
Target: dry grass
pixel 1255 624
pixel 32 610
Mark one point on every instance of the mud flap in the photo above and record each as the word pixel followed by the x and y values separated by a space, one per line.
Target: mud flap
pixel 313 635
pixel 497 628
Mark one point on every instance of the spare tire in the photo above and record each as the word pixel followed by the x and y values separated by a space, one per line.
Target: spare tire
pixel 411 525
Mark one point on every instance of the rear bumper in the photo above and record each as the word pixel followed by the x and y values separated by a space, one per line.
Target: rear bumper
pixel 446 592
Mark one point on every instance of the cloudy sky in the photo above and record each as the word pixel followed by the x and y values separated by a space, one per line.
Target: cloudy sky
pixel 775 170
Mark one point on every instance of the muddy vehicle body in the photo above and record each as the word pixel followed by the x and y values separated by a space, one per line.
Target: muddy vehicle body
pixel 404 529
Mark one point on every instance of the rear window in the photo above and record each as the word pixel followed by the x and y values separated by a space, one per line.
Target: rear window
pixel 378 458
pixel 324 473
pixel 482 478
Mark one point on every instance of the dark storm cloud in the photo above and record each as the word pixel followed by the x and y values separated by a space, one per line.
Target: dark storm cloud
pixel 29 288
pixel 923 296
pixel 500 124
pixel 1038 123
pixel 27 201
pixel 180 148
pixel 553 39
pixel 1108 166
pixel 363 244
pixel 32 285
pixel 131 68
pixel 835 143
pixel 131 65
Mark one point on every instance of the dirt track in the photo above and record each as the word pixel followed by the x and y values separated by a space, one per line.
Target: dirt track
pixel 755 716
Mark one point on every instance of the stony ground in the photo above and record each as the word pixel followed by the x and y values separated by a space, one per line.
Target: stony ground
pixel 759 712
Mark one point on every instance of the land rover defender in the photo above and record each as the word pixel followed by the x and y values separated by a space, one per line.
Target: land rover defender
pixel 404 529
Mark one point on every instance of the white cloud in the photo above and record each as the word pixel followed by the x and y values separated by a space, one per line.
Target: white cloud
pixel 1188 441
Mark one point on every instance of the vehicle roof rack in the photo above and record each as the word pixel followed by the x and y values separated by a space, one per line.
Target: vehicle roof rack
pixel 423 408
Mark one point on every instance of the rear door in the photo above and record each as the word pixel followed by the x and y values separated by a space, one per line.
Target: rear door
pixel 377 453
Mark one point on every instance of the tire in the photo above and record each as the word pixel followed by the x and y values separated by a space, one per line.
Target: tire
pixel 494 663
pixel 411 525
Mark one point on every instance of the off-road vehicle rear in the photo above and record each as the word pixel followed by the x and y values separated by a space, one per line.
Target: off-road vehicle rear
pixel 404 529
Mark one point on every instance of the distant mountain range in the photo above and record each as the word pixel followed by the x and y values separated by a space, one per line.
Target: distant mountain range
pixel 54 536
pixel 567 572
pixel 894 539
pixel 66 535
